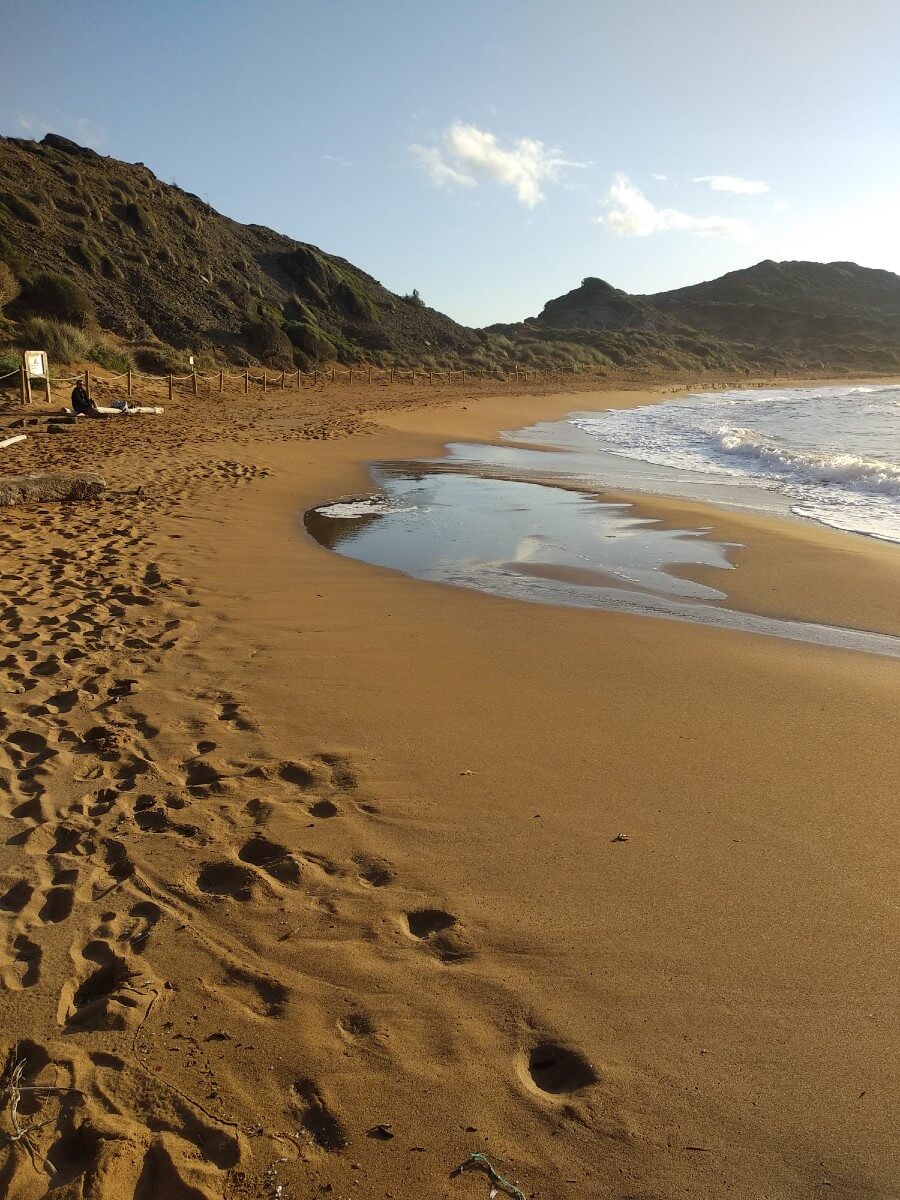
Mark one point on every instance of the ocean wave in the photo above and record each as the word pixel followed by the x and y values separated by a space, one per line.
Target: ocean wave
pixel 847 469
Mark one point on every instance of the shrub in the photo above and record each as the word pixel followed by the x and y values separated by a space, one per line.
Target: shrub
pixel 50 295
pixel 355 302
pixel 63 343
pixel 309 340
pixel 269 343
pixel 86 253
pixel 269 312
pixel 111 268
pixel 108 355
pixel 413 298
pixel 9 285
pixel 20 208
pixel 161 360
pixel 10 360
pixel 138 218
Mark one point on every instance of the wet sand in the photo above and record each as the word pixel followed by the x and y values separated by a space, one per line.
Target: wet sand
pixel 311 870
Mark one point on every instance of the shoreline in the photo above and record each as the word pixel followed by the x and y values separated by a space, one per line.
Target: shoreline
pixel 788 567
pixel 358 833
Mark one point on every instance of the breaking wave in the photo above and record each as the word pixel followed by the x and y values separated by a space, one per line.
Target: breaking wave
pixel 834 452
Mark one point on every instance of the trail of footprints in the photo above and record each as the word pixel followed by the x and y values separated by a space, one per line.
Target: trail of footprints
pixel 81 780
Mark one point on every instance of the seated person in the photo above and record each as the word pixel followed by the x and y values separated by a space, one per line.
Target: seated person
pixel 81 401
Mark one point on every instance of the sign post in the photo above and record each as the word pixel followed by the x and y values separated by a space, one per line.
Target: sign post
pixel 35 366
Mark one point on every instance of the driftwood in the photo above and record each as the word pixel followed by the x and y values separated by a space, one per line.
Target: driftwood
pixel 11 441
pixel 50 485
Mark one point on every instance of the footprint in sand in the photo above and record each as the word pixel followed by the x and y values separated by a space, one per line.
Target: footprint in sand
pixel 57 906
pixel 438 930
pixel 376 872
pixel 323 809
pixel 16 896
pixel 273 858
pixel 146 915
pixel 558 1070
pixel 22 969
pixel 154 1142
pixel 256 994
pixel 227 879
pixel 323 1127
pixel 108 995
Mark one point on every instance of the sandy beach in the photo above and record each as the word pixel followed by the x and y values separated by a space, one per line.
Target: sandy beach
pixel 319 878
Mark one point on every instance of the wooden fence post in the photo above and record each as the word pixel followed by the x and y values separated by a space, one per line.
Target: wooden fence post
pixel 23 381
pixel 392 374
pixel 129 381
pixel 282 380
pixel 246 382
pixel 194 382
pixel 332 374
pixel 265 381
pixel 450 376
pixel 351 376
pixel 87 383
pixel 298 379
pixel 315 376
pixel 221 382
pixel 170 389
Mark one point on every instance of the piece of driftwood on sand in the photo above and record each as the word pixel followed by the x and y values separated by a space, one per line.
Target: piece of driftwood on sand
pixel 50 485
pixel 11 441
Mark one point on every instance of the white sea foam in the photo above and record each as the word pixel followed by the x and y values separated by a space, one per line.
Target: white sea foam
pixel 869 474
pixel 834 452
pixel 366 506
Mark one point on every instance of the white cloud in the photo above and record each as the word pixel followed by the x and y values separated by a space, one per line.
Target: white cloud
pixel 467 152
pixel 661 178
pixel 337 159
pixel 80 129
pixel 631 214
pixel 733 183
pixel 439 171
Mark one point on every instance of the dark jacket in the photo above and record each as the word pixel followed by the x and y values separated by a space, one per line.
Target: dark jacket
pixel 81 401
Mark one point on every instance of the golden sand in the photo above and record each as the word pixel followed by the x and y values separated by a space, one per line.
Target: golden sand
pixel 312 874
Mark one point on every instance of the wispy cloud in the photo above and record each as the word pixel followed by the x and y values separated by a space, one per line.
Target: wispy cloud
pixel 467 153
pixel 733 183
pixel 631 214
pixel 661 178
pixel 337 160
pixel 80 129
pixel 438 170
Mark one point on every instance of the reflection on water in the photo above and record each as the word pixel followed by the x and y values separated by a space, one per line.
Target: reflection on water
pixel 448 523
pixel 456 528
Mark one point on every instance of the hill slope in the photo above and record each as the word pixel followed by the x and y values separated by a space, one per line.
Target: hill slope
pixel 106 245
pixel 163 266
pixel 823 314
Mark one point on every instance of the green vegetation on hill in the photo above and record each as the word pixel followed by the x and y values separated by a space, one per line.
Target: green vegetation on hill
pixel 796 314
pixel 123 268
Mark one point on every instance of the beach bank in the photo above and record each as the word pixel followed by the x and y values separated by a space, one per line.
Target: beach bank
pixel 604 897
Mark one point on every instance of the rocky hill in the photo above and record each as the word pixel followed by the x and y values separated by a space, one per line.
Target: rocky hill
pixel 820 314
pixel 101 260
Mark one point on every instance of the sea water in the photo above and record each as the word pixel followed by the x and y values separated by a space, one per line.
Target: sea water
pixel 524 519
pixel 833 453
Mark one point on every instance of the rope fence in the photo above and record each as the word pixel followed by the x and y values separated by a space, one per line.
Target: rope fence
pixel 267 381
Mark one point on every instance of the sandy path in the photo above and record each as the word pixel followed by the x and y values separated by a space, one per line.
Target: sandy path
pixel 296 849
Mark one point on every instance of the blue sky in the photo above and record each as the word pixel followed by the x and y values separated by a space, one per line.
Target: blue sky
pixel 492 154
